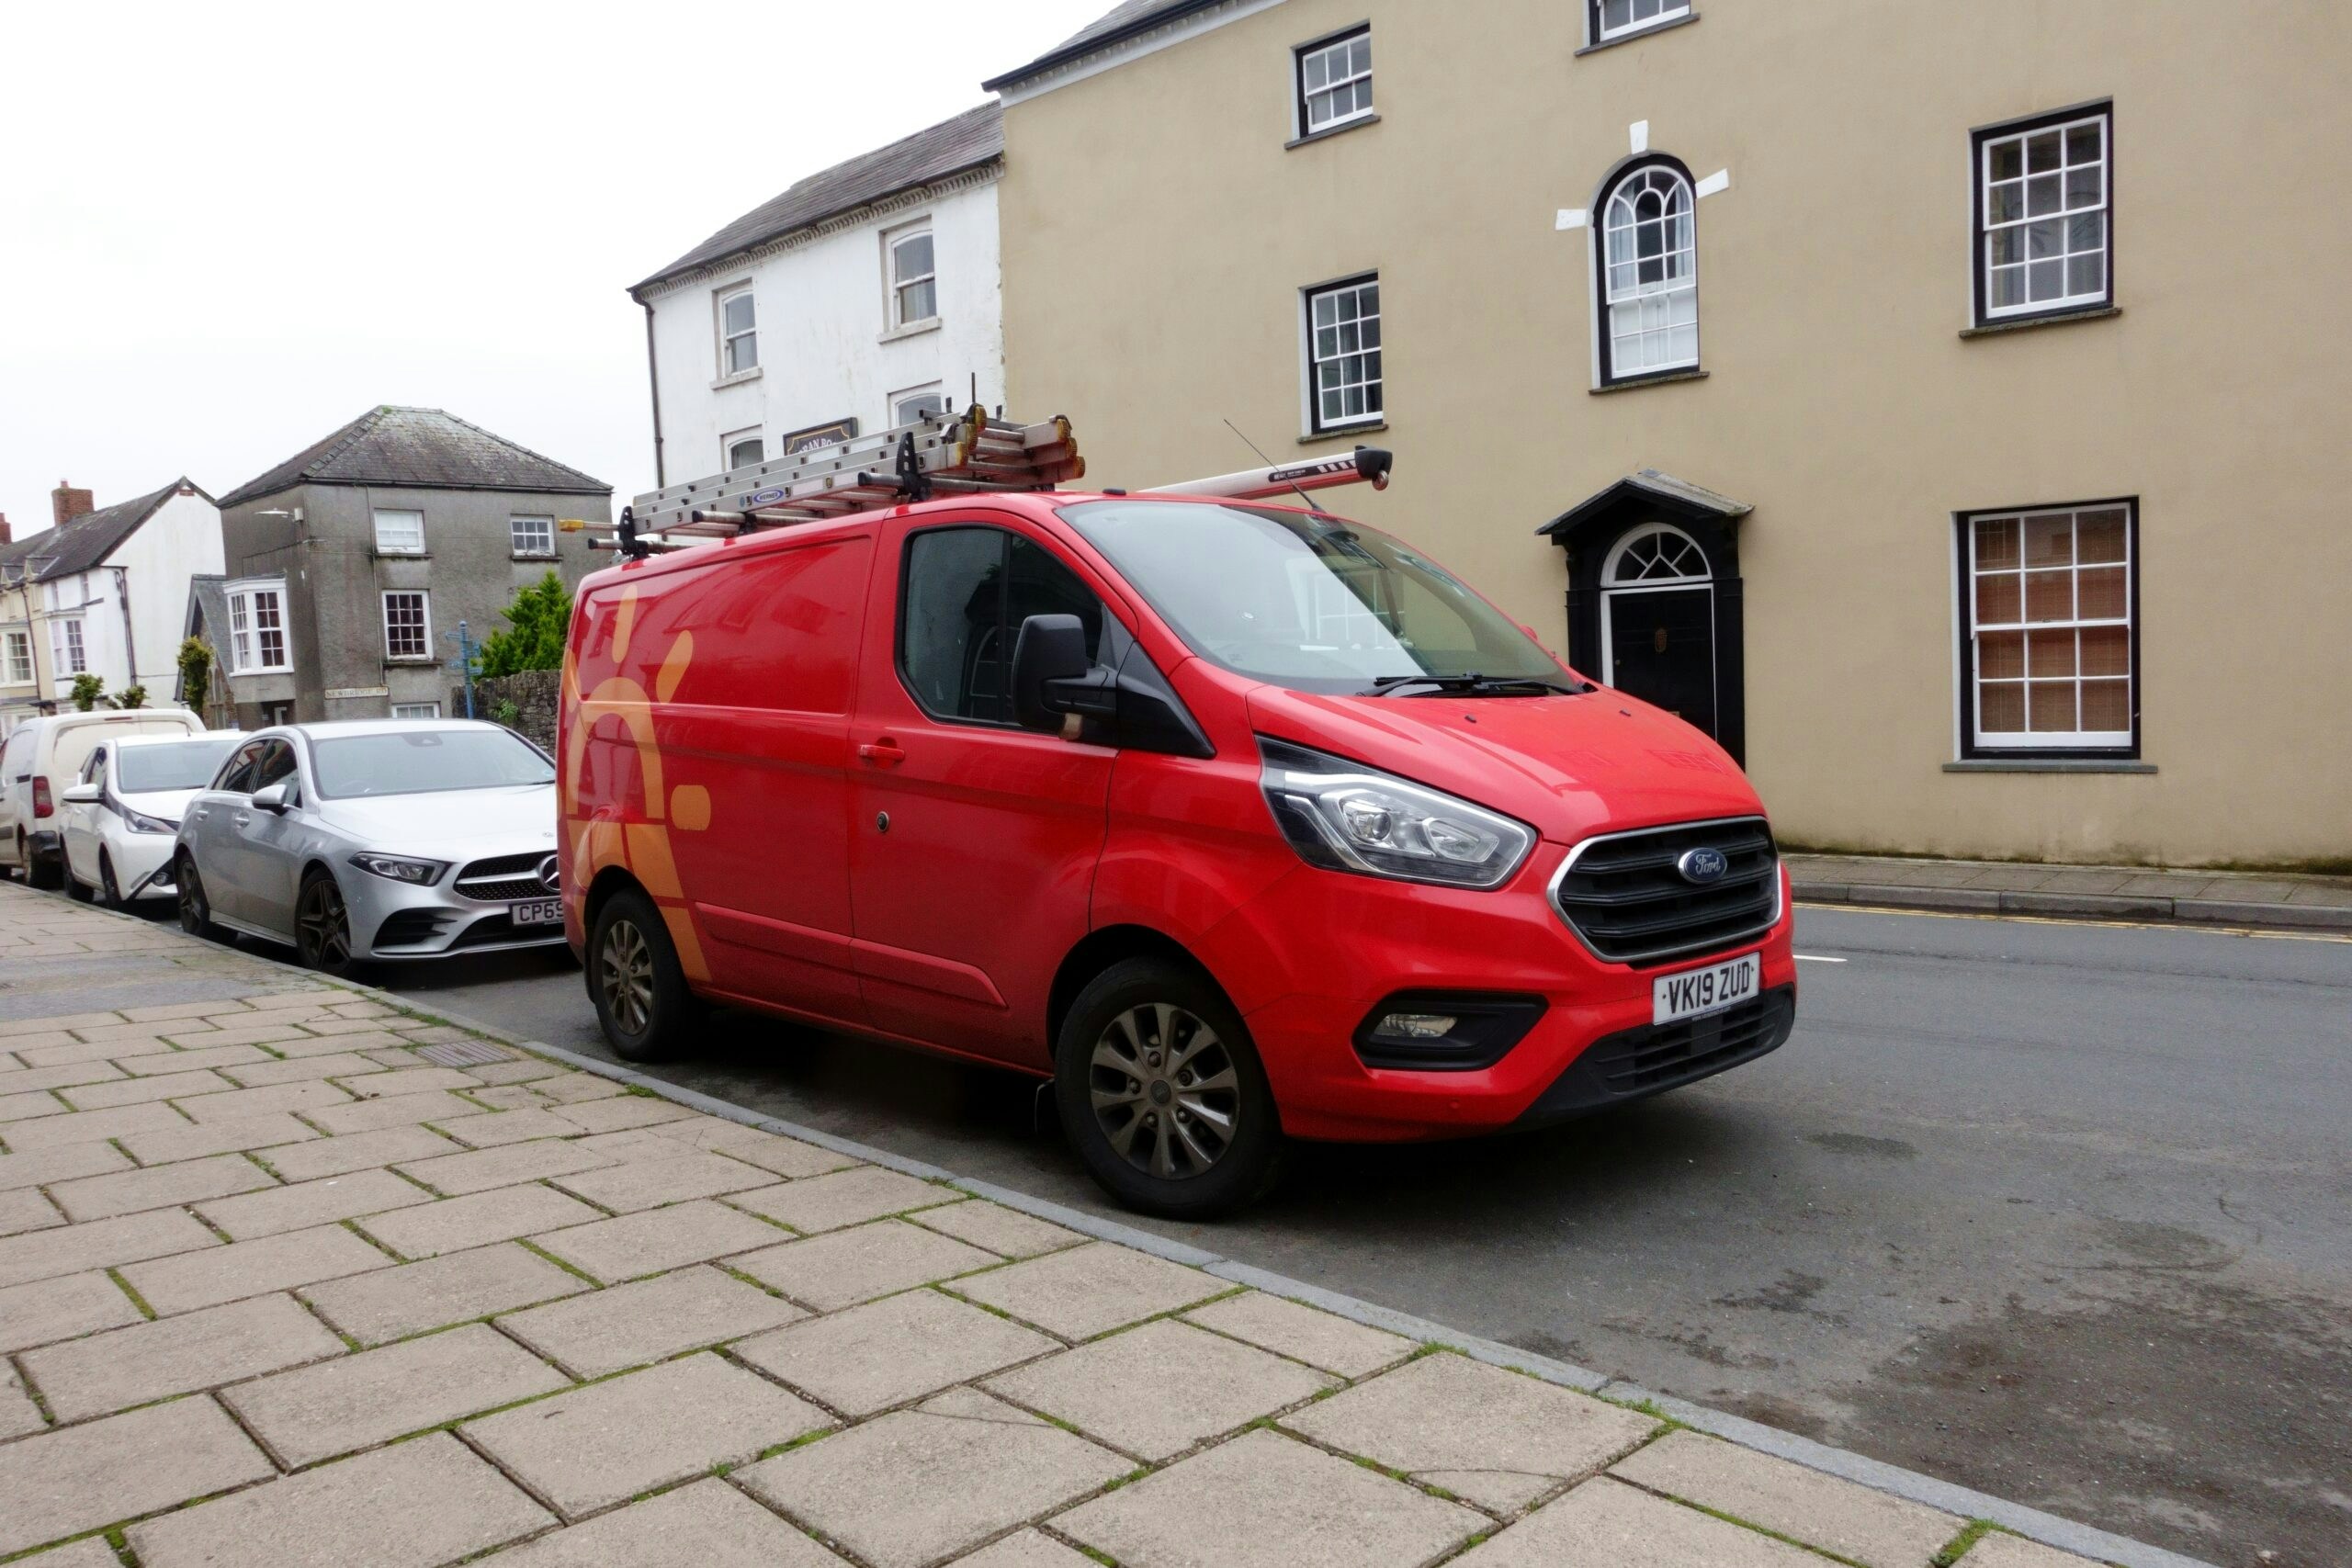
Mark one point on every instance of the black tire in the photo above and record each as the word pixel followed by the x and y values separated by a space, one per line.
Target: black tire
pixel 323 927
pixel 196 910
pixel 635 982
pixel 75 889
pixel 109 890
pixel 41 871
pixel 1192 1131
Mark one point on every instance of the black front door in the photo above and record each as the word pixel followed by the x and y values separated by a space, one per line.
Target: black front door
pixel 1662 649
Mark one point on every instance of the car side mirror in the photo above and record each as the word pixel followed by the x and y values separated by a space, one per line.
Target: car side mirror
pixel 1052 675
pixel 84 795
pixel 272 800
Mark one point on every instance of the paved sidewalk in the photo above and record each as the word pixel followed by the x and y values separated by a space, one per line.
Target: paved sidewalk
pixel 2123 892
pixel 288 1276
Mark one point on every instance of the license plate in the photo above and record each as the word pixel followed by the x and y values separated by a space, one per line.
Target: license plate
pixel 1694 993
pixel 538 912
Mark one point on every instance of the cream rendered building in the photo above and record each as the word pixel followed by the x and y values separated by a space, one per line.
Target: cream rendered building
pixel 1957 435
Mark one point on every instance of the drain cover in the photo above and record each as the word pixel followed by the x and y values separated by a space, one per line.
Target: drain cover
pixel 465 1054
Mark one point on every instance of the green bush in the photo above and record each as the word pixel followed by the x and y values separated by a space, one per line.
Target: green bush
pixel 536 623
pixel 196 674
pixel 131 697
pixel 88 689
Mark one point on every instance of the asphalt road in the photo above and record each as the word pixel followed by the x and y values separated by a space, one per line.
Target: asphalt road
pixel 2061 1212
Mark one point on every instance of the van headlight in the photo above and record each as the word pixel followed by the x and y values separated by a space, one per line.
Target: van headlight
pixel 1345 817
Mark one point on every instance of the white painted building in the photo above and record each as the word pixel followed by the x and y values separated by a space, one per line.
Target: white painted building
pixel 860 297
pixel 103 593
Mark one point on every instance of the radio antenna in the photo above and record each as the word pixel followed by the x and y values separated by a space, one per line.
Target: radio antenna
pixel 1269 462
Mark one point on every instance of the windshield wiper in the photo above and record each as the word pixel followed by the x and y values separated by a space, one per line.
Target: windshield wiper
pixel 1474 684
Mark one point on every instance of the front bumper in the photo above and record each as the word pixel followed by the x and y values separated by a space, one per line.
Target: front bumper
pixel 396 920
pixel 1337 946
pixel 143 864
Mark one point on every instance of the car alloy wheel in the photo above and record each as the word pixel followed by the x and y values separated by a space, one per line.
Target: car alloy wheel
pixel 196 915
pixel 323 927
pixel 1165 1092
pixel 106 884
pixel 624 974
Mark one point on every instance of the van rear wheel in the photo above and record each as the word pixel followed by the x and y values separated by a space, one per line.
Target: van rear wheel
pixel 1161 1093
pixel 635 980
pixel 40 871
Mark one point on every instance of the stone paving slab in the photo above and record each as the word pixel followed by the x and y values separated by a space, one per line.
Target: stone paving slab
pixel 27 1209
pixel 501 1128
pixel 455 1225
pixel 367 1115
pixel 202 1349
pixel 1090 1290
pixel 844 1267
pixel 337 1157
pixel 393 1303
pixel 160 1187
pixel 843 1198
pixel 1869 1527
pixel 80 1477
pixel 18 1413
pixel 916 1486
pixel 456 1174
pixel 139 1091
pixel 302 1205
pixel 87 1126
pixel 621 1112
pixel 629 1185
pixel 357 1402
pixel 787 1158
pixel 100 1243
pixel 166 1145
pixel 705 1525
pixel 1501 1439
pixel 1999 1550
pixel 1606 1524
pixel 888 1352
pixel 1302 1333
pixel 62 1308
pixel 1156 1390
pixel 656 1240
pixel 610 1442
pixel 646 1320
pixel 418 1505
pixel 1026 1549
pixel 18 1171
pixel 1006 1232
pixel 237 1103
pixel 1267 1501
pixel 219 1274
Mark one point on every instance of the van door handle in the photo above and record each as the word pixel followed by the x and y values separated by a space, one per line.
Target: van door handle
pixel 885 752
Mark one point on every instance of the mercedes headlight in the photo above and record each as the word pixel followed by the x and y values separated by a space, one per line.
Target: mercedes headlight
pixel 419 873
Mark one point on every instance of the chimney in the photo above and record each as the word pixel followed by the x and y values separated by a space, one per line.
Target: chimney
pixel 66 503
pixel 8 535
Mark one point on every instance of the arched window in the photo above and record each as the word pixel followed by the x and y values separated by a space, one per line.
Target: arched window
pixel 1656 554
pixel 1649 313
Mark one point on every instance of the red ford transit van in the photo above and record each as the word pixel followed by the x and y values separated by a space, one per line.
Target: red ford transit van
pixel 1242 822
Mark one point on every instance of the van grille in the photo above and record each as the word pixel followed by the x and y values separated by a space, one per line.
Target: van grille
pixel 1640 1061
pixel 1622 895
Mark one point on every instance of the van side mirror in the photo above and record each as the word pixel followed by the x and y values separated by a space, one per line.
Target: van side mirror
pixel 84 795
pixel 272 800
pixel 1052 675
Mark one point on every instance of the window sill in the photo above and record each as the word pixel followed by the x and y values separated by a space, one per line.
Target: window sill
pixel 912 329
pixel 270 670
pixel 544 557
pixel 1635 383
pixel 415 662
pixel 2050 765
pixel 1682 21
pixel 737 380
pixel 2057 319
pixel 401 554
pixel 1329 131
pixel 1317 438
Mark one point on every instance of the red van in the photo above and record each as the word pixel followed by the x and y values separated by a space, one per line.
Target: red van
pixel 1241 822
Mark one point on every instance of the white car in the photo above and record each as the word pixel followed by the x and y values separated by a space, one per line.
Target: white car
pixel 123 814
pixel 42 758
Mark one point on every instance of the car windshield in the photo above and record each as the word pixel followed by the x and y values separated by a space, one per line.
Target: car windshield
pixel 418 762
pixel 178 764
pixel 1308 600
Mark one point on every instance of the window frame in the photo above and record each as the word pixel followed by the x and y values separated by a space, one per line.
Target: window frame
pixel 69 651
pixel 534 552
pixel 1304 128
pixel 1316 425
pixel 1980 262
pixel 2065 745
pixel 376 515
pixel 895 287
pixel 1598 31
pixel 9 641
pixel 1010 532
pixel 927 389
pixel 424 606
pixel 724 340
pixel 434 710
pixel 1604 335
pixel 251 593
pixel 727 442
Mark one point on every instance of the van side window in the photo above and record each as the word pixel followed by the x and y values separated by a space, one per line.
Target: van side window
pixel 966 592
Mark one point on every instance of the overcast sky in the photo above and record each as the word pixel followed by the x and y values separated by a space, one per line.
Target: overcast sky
pixel 227 230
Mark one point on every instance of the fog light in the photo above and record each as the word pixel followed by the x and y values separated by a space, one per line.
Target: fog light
pixel 1415 1026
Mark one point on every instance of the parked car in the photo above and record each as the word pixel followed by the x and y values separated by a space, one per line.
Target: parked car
pixel 1241 823
pixel 40 762
pixel 123 814
pixel 375 840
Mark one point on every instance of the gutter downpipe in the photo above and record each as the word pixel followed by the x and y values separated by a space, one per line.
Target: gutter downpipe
pixel 653 382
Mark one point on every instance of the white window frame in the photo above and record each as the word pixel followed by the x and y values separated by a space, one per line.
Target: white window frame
pixel 727 442
pixel 424 613
pixel 18 643
pixel 416 710
pixel 1661 12
pixel 536 526
pixel 897 284
pixel 1997 220
pixel 1335 55
pixel 67 651
pixel 893 413
pixel 396 547
pixel 246 628
pixel 2108 742
pixel 1653 304
pixel 1313 345
pixel 720 298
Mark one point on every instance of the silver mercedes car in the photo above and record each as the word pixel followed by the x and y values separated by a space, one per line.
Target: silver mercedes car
pixel 375 841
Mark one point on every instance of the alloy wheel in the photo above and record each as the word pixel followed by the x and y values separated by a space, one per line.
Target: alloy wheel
pixel 107 885
pixel 1164 1090
pixel 624 975
pixel 194 914
pixel 321 927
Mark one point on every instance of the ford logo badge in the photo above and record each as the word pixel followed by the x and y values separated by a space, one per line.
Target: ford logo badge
pixel 1702 865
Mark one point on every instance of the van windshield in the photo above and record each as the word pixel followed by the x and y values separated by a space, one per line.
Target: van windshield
pixel 417 762
pixel 1308 600
pixel 177 764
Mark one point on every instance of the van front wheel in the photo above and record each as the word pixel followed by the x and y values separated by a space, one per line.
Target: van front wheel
pixel 636 982
pixel 1162 1095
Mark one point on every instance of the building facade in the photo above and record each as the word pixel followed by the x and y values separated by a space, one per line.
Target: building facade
pixel 863 297
pixel 352 565
pixel 99 593
pixel 1876 386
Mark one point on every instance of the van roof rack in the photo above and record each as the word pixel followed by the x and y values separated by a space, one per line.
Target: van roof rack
pixel 945 453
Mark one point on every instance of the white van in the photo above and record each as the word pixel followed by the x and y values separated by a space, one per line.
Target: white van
pixel 39 763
